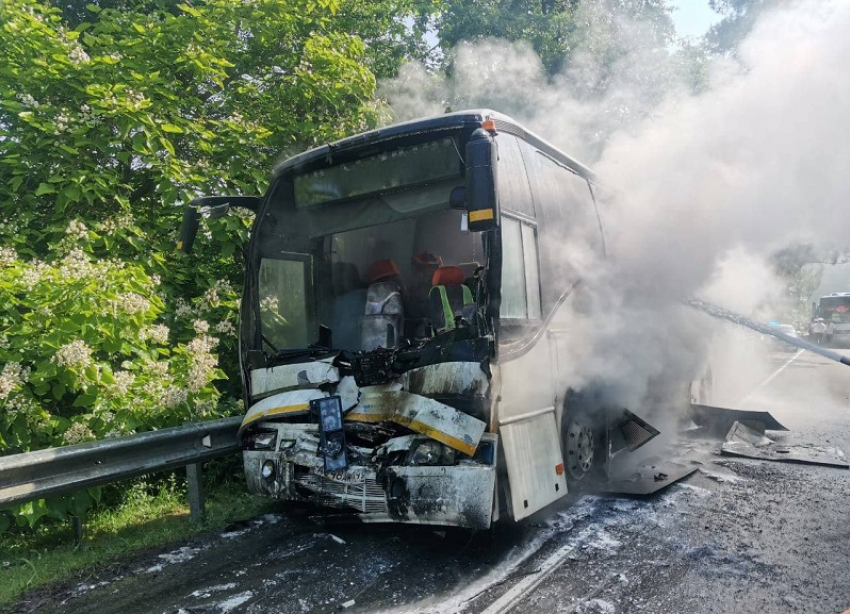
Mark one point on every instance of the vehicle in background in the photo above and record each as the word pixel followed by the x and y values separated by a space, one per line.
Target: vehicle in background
pixel 785 329
pixel 448 404
pixel 835 311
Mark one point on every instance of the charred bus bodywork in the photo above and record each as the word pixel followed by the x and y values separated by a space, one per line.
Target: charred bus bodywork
pixel 405 326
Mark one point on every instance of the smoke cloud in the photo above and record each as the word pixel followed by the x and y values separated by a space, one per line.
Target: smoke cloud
pixel 704 185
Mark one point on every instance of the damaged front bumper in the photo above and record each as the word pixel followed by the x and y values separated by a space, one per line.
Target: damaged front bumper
pixel 459 494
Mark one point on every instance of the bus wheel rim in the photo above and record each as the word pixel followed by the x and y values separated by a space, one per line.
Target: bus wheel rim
pixel 579 450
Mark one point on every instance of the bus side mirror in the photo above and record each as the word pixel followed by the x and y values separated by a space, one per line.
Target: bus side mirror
pixel 481 201
pixel 188 229
pixel 211 207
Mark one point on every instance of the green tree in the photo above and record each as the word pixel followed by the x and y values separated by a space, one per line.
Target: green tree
pixel 739 17
pixel 109 122
pixel 557 29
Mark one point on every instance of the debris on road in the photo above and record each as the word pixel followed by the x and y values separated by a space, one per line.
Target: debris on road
pixel 646 479
pixel 746 442
pixel 720 419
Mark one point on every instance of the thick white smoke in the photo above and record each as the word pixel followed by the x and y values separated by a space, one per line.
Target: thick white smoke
pixel 705 185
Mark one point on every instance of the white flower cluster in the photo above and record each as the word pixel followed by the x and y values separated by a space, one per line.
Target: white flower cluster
pixel 117 222
pixel 212 297
pixel 12 376
pixel 134 97
pixel 183 308
pixel 63 123
pixel 76 229
pixel 157 333
pixel 78 433
pixel 29 101
pixel 225 327
pixel 74 354
pixel 158 379
pixel 130 303
pixel 123 381
pixel 5 344
pixel 201 326
pixel 174 396
pixel 76 265
pixel 20 404
pixel 33 274
pixel 8 255
pixel 202 361
pixel 157 370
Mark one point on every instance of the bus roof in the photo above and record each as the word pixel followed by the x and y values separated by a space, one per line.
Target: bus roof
pixel 448 121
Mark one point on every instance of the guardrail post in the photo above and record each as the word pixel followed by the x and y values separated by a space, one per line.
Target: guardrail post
pixel 194 475
pixel 77 523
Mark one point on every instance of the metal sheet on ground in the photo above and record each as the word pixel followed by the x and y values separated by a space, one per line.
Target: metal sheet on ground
pixel 722 418
pixel 647 479
pixel 745 442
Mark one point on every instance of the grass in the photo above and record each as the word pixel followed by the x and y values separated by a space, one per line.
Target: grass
pixel 148 516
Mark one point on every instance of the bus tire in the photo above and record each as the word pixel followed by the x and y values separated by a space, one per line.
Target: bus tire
pixel 583 437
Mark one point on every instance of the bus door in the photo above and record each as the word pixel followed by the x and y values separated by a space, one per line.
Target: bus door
pixel 527 412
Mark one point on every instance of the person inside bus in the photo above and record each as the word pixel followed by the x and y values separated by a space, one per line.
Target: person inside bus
pixel 383 317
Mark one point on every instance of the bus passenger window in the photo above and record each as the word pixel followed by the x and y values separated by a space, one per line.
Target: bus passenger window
pixel 513 275
pixel 532 272
pixel 520 271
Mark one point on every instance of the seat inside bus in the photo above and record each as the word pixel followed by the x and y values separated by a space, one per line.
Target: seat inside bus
pixel 355 252
pixel 449 299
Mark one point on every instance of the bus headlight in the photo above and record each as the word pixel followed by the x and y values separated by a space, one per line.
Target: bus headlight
pixel 267 470
pixel 432 453
pixel 264 440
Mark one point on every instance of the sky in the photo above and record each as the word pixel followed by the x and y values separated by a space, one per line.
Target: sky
pixel 693 17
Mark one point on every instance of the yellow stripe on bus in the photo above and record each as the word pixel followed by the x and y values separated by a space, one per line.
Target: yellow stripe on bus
pixel 424 429
pixel 483 214
pixel 275 411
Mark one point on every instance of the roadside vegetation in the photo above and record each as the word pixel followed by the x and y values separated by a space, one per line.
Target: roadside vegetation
pixel 147 514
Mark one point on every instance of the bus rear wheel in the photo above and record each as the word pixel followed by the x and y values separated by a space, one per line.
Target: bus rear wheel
pixel 583 439
pixel 579 449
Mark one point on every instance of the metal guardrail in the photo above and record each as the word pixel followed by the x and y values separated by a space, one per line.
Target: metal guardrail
pixel 58 471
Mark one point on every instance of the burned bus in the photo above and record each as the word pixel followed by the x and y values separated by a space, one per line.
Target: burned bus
pixel 403 333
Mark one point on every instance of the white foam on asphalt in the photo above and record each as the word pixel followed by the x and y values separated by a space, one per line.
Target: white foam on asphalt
pixel 233 534
pixel 206 592
pixel 181 555
pixel 234 602
pixel 561 522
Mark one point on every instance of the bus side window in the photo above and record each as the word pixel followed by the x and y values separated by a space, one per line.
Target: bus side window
pixel 513 275
pixel 520 271
pixel 567 221
pixel 513 189
pixel 532 272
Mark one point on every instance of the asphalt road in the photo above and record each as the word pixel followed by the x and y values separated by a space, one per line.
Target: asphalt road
pixel 737 536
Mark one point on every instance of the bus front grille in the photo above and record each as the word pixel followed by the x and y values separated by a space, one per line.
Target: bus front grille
pixel 367 496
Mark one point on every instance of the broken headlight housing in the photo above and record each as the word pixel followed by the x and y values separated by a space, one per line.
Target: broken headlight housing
pixel 431 453
pixel 263 440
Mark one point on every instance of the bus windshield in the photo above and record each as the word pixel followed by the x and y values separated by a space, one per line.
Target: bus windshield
pixel 835 308
pixel 383 271
pixel 402 167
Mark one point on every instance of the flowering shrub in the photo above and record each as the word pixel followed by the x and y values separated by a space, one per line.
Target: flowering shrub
pixel 85 354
